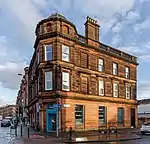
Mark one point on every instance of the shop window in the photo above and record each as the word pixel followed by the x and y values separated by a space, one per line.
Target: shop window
pixel 102 114
pixel 78 114
pixel 120 115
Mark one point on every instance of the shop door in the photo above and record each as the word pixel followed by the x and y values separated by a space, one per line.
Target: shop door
pixel 132 117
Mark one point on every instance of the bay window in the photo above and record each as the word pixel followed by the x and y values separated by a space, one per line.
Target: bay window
pixel 115 89
pixel 65 53
pixel 48 52
pixel 101 87
pixel 48 80
pixel 65 81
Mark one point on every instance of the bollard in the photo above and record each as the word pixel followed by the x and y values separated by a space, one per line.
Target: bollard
pixel 28 130
pixel 16 131
pixel 99 129
pixel 21 130
pixel 116 131
pixel 70 135
pixel 109 130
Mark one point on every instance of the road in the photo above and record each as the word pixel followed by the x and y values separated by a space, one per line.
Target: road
pixel 144 140
pixel 6 137
pixel 9 138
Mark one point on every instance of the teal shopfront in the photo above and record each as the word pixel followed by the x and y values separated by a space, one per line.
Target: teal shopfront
pixel 51 117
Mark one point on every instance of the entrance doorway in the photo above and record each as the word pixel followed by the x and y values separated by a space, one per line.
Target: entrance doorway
pixel 51 119
pixel 132 117
pixel 51 122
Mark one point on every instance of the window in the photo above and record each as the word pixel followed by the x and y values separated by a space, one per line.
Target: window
pixel 120 115
pixel 102 115
pixel 84 84
pixel 127 72
pixel 115 89
pixel 100 65
pixel 128 92
pixel 49 27
pixel 65 53
pixel 48 80
pixel 48 52
pixel 79 114
pixel 84 60
pixel 65 81
pixel 101 87
pixel 115 69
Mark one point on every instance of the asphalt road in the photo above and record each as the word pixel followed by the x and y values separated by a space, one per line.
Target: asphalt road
pixel 145 140
pixel 7 137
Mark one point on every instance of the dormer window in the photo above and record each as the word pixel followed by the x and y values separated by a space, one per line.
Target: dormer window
pixel 49 27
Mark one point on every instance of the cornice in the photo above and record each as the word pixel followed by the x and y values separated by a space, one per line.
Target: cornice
pixel 86 97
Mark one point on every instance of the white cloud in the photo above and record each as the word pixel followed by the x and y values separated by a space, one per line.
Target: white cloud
pixel 103 8
pixel 11 64
pixel 9 74
pixel 133 16
pixel 116 40
pixel 26 12
pixel 3 46
pixel 117 28
pixel 143 25
pixel 143 89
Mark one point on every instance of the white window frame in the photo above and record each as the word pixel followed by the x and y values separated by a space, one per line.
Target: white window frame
pixel 100 65
pixel 127 72
pixel 65 53
pixel 66 81
pixel 115 69
pixel 48 80
pixel 128 92
pixel 115 90
pixel 50 51
pixel 101 89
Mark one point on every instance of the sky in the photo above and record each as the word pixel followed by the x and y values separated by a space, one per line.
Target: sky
pixel 124 24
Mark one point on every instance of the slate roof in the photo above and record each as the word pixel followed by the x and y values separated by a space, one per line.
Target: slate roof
pixel 144 101
pixel 57 15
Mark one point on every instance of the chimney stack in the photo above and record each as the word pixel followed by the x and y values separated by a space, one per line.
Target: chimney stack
pixel 92 29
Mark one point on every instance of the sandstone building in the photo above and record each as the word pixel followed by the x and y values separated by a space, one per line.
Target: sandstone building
pixel 6 110
pixel 94 84
pixel 22 97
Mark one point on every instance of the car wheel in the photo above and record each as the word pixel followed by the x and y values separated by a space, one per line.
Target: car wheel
pixel 143 133
pixel 1 125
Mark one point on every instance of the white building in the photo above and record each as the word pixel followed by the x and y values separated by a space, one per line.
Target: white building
pixel 143 110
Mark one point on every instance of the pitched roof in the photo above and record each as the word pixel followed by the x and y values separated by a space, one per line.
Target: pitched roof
pixel 144 101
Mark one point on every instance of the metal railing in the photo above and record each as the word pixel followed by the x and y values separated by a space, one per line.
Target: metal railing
pixel 118 52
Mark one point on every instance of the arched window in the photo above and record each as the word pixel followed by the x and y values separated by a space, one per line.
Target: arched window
pixel 49 27
pixel 66 29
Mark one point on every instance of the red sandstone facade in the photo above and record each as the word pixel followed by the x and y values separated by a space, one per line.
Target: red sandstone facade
pixel 95 84
pixel 22 98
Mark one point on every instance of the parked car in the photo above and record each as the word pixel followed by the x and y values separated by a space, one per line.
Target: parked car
pixel 5 123
pixel 145 128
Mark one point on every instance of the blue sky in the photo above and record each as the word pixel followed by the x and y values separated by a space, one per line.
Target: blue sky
pixel 123 24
